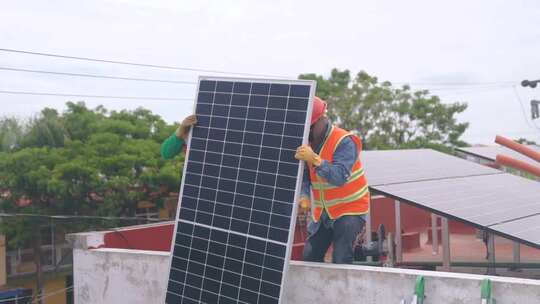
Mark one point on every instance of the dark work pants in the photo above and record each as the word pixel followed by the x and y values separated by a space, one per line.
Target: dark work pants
pixel 341 232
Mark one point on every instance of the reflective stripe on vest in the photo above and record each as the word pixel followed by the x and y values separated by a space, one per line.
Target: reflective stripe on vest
pixel 348 199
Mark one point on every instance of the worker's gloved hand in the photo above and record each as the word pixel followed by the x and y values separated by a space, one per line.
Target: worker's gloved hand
pixel 183 129
pixel 305 153
pixel 304 205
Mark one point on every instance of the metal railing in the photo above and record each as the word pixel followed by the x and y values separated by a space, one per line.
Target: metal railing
pixel 53 258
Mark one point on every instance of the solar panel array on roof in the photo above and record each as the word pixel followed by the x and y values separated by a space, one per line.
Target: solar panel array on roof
pixel 400 166
pixel 484 197
pixel 233 226
pixel 490 153
pixel 483 200
pixel 525 229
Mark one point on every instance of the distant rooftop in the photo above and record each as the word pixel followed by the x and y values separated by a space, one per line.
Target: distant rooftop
pixel 489 153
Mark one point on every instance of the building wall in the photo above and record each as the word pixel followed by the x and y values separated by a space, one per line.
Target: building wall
pixel 119 276
pixel 135 276
pixel 360 284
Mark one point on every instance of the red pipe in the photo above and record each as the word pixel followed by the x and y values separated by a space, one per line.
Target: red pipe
pixel 517 164
pixel 518 147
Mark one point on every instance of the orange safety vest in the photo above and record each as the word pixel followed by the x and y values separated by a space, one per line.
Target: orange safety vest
pixel 352 198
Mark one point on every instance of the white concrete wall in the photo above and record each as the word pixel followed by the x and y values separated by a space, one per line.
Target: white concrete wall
pixel 119 276
pixel 134 276
pixel 361 284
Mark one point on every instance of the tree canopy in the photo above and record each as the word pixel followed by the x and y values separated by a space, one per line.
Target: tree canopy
pixel 387 117
pixel 91 162
pixel 83 162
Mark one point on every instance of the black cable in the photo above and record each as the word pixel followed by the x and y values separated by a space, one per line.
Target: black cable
pixel 470 88
pixel 458 83
pixel 61 216
pixel 96 76
pixel 92 96
pixel 139 64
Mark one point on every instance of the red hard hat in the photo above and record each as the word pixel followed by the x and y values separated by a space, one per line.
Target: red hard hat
pixel 319 109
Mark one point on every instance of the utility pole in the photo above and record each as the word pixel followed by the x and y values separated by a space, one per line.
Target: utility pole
pixel 534 109
pixel 534 103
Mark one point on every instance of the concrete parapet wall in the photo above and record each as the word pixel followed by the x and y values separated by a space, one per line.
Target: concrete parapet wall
pixel 313 283
pixel 112 276
pixel 136 276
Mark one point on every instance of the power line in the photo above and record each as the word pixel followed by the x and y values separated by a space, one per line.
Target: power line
pixel 470 88
pixel 445 86
pixel 16 298
pixel 96 76
pixel 62 216
pixel 458 83
pixel 168 67
pixel 43 296
pixel 479 134
pixel 93 96
pixel 461 91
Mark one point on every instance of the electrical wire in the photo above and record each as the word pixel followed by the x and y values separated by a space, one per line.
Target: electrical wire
pixel 93 96
pixel 457 83
pixel 62 216
pixel 97 76
pixel 16 298
pixel 478 134
pixel 469 88
pixel 462 91
pixel 169 67
pixel 40 298
pixel 44 296
pixel 147 98
pixel 444 86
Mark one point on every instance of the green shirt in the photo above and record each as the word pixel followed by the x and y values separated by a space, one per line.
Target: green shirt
pixel 171 146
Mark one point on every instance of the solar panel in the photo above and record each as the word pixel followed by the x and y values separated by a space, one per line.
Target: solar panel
pixel 483 201
pixel 490 153
pixel 400 166
pixel 526 229
pixel 233 228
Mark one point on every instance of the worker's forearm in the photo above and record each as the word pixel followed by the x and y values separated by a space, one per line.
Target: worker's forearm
pixel 171 147
pixel 335 174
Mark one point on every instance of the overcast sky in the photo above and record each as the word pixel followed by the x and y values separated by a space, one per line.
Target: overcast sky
pixel 427 43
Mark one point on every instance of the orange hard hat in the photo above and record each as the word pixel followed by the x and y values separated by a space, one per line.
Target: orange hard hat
pixel 319 109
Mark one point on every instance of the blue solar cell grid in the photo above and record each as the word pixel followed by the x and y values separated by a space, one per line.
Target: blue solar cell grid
pixel 238 192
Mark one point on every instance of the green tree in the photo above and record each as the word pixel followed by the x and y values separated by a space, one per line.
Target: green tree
pixel 46 130
pixel 11 132
pixel 83 162
pixel 387 117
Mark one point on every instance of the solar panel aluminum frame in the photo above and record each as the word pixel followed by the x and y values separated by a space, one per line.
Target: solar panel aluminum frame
pixel 307 125
pixel 468 153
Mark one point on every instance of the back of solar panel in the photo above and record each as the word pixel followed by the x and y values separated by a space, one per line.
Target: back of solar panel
pixel 233 230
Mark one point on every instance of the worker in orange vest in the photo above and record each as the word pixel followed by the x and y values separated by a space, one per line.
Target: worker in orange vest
pixel 334 187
